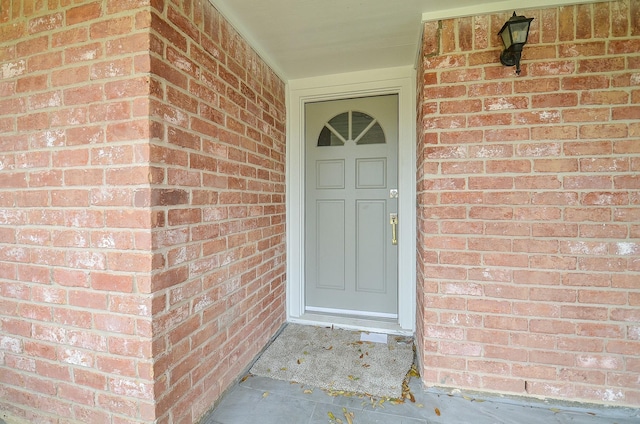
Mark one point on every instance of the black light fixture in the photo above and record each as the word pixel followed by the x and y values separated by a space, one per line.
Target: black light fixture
pixel 514 35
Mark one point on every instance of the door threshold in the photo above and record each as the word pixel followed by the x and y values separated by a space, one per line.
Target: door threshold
pixel 351 313
pixel 369 324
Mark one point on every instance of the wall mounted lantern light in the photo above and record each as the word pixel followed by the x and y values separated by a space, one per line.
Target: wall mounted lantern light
pixel 514 35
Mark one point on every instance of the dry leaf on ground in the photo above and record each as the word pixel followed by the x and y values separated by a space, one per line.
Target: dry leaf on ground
pixel 348 415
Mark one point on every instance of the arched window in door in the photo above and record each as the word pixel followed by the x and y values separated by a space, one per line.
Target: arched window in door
pixel 351 126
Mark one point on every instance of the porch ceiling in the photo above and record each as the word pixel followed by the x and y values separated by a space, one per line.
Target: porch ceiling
pixel 307 38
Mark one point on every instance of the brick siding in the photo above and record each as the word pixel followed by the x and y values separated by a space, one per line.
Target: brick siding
pixel 529 205
pixel 219 156
pixel 141 209
pixel 142 169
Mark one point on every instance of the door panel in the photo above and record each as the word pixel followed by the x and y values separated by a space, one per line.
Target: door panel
pixel 330 251
pixel 351 164
pixel 371 249
pixel 371 173
pixel 330 174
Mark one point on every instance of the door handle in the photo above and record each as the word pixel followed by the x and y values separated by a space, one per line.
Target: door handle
pixel 393 220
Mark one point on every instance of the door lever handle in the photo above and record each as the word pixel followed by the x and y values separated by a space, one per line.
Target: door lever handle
pixel 393 220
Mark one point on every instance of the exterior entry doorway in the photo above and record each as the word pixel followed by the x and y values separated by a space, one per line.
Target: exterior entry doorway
pixel 351 167
pixel 351 206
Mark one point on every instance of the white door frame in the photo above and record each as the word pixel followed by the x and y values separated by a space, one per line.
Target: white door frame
pixel 399 81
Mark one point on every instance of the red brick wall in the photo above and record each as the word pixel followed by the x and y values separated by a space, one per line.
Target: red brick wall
pixel 75 315
pixel 529 194
pixel 141 209
pixel 218 155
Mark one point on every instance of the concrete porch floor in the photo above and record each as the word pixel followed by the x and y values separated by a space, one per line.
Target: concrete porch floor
pixel 267 401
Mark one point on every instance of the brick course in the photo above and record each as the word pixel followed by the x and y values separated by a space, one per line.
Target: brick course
pixel 141 209
pixel 528 207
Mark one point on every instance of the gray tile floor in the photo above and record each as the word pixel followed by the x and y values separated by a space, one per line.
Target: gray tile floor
pixel 265 401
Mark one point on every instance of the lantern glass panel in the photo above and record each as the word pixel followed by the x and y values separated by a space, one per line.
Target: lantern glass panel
pixel 519 31
pixel 506 37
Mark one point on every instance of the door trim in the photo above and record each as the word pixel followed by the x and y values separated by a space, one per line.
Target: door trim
pixel 399 81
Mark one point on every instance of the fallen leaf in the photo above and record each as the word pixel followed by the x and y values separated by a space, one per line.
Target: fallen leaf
pixel 377 404
pixel 300 361
pixel 245 378
pixel 265 394
pixel 366 365
pixel 328 348
pixel 362 356
pixel 413 372
pixel 437 411
pixel 305 353
pixel 348 415
pixel 307 391
pixel 283 369
pixel 333 419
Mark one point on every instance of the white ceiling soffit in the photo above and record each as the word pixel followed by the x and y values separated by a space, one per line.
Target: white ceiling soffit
pixel 309 38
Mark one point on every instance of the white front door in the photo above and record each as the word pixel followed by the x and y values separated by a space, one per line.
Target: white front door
pixel 351 206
